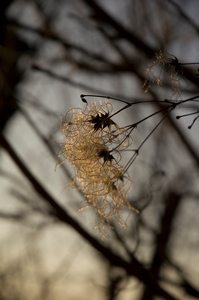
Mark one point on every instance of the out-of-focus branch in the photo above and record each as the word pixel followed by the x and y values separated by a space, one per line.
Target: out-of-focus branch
pixel 13 216
pixel 184 15
pixel 133 268
pixel 185 282
pixel 105 66
pixel 172 203
pixel 71 82
pixel 56 38
pixel 101 14
pixel 43 139
pixel 48 145
pixel 31 101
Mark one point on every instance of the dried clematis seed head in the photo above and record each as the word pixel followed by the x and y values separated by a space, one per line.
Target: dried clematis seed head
pixel 89 134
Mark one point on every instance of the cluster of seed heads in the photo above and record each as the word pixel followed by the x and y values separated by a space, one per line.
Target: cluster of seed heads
pixel 93 142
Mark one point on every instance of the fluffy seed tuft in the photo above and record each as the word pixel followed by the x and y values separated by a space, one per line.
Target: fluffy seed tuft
pixel 90 134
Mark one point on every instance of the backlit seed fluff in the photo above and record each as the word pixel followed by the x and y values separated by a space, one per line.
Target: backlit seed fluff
pixel 91 140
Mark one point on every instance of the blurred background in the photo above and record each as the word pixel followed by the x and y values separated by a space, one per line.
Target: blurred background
pixel 51 52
